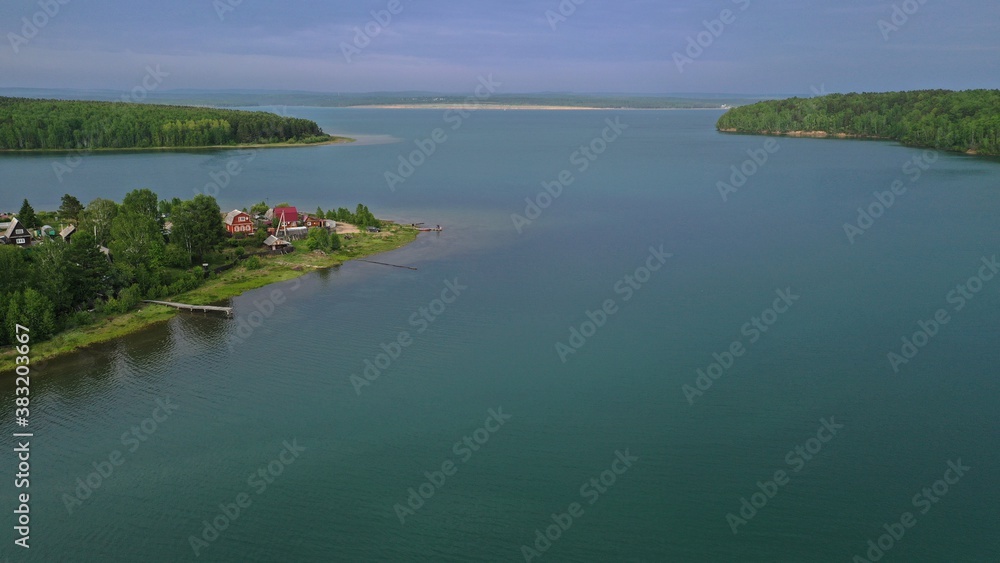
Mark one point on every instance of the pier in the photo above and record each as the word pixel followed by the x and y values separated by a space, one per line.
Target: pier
pixel 195 308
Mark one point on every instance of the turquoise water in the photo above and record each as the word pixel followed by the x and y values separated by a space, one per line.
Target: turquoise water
pixel 242 393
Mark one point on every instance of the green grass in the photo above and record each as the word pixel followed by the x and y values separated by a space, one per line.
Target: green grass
pixel 226 285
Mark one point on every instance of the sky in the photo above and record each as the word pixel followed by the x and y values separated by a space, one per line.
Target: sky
pixel 583 46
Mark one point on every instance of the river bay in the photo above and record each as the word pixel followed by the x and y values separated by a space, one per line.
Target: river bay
pixel 530 355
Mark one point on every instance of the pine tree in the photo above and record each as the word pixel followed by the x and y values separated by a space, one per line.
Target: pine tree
pixel 27 216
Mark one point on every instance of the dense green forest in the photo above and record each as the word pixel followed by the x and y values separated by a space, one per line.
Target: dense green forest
pixel 56 285
pixel 58 124
pixel 967 121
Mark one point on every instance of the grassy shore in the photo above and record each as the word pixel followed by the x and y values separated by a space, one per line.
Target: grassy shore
pixel 226 285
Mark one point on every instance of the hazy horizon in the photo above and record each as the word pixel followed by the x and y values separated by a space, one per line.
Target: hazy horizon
pixel 637 47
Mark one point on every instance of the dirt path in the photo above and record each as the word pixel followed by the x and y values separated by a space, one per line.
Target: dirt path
pixel 346 229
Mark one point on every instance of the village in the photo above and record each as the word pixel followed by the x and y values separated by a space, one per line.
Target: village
pixel 282 225
pixel 75 270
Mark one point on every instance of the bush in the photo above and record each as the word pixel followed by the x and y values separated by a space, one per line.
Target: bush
pixel 184 283
pixel 252 263
pixel 127 300
pixel 321 239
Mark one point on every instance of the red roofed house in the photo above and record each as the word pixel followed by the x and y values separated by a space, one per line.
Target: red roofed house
pixel 238 222
pixel 288 215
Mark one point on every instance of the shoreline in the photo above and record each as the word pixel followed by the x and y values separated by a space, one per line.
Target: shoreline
pixel 805 134
pixel 227 285
pixel 505 107
pixel 828 135
pixel 335 140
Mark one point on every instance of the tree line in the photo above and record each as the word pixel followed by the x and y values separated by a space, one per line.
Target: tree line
pixel 56 284
pixel 59 124
pixel 967 121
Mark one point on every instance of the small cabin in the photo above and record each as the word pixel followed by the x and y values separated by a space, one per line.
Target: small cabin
pixel 275 243
pixel 313 222
pixel 15 233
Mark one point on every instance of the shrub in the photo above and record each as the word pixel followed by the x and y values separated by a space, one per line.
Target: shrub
pixel 252 263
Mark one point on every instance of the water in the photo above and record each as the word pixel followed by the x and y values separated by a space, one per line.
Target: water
pixel 494 347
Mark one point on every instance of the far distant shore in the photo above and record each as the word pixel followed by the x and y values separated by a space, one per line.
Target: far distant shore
pixel 513 107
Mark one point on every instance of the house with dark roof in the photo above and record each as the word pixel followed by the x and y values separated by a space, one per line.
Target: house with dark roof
pixel 15 233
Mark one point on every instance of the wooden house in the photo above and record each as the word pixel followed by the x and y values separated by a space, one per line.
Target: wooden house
pixel 15 233
pixel 238 222
pixel 287 215
pixel 312 222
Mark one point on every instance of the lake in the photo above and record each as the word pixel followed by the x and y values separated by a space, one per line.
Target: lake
pixel 675 352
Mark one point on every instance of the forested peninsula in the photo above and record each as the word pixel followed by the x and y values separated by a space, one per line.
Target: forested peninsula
pixel 967 121
pixel 29 124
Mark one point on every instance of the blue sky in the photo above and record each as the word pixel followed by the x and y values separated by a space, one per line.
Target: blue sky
pixel 769 46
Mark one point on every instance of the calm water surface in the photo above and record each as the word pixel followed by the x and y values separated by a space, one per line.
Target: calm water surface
pixel 244 395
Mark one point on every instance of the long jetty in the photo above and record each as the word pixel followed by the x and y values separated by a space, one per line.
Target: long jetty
pixel 384 264
pixel 195 308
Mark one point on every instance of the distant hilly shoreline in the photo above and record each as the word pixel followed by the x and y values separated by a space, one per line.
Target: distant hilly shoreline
pixel 967 121
pixel 392 99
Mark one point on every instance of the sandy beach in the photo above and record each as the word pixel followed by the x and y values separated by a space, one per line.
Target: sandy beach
pixel 505 107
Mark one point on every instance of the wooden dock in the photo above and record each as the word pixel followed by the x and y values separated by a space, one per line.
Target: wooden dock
pixel 195 308
pixel 384 264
